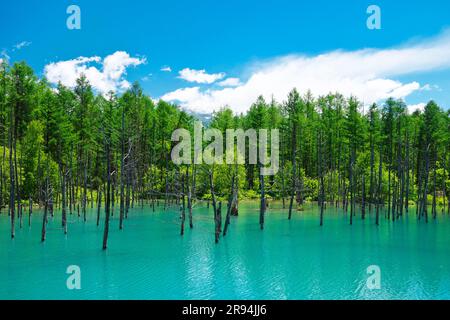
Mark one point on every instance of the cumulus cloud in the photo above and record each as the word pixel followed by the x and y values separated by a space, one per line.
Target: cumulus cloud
pixel 166 69
pixel 230 82
pixel 199 76
pixel 103 74
pixel 416 107
pixel 369 74
pixel 185 94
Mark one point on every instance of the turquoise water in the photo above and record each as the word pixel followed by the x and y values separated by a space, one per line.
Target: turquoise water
pixel 294 259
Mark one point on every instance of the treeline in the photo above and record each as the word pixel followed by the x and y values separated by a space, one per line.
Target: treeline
pixel 66 149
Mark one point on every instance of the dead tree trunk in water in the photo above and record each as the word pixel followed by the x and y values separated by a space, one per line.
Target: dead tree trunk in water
pixel 372 163
pixel 283 194
pixel 352 185
pixel 262 208
pixel 182 207
pixel 122 172
pixel 99 204
pixel 128 193
pixel 322 187
pixel 447 176
pixel 446 192
pixel 84 201
pixel 17 179
pixel 216 210
pixel 189 194
pixel 213 197
pixel 235 201
pixel 363 197
pixel 113 192
pixel 167 182
pixel 30 211
pixel 425 188
pixel 433 206
pixel 218 222
pixel 230 202
pixel 379 195
pixel 407 159
pixel 63 196
pixel 108 194
pixel 46 209
pixel 12 182
pixel 294 169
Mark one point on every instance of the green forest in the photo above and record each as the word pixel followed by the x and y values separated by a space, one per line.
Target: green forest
pixel 66 150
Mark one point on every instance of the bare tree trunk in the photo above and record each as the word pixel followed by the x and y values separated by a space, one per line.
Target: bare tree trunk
pixel 84 191
pixel 99 204
pixel 283 193
pixel 46 208
pixel 108 194
pixel 433 208
pixel 321 178
pixel 407 174
pixel 30 211
pixel 12 182
pixel 122 173
pixel 127 195
pixel 294 170
pixel 380 183
pixel 191 224
pixel 352 187
pixel 262 208
pixel 16 172
pixel 216 210
pixel 218 222
pixel 372 171
pixel 230 202
pixel 183 206
pixel 363 197
pixel 63 195
pixel 425 188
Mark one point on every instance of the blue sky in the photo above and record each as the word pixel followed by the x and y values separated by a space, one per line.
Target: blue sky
pixel 236 39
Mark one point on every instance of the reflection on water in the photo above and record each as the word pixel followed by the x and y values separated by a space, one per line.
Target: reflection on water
pixel 294 259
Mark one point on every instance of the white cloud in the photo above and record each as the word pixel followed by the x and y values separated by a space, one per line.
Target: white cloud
pixel 416 107
pixel 147 77
pixel 185 94
pixel 429 87
pixel 166 69
pixel 230 82
pixel 199 76
pixel 21 45
pixel 369 74
pixel 4 53
pixel 110 77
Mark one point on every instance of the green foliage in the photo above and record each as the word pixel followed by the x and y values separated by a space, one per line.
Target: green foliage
pixel 63 132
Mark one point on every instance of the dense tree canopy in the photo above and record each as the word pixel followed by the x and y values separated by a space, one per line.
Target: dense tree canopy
pixel 65 148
